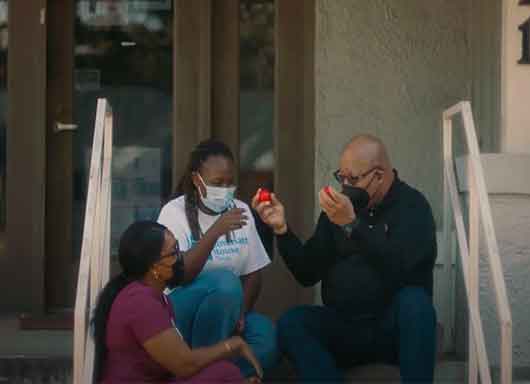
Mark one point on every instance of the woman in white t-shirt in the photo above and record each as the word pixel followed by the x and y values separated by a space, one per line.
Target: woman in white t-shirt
pixel 219 301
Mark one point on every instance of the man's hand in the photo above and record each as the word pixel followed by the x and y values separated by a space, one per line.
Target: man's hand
pixel 337 207
pixel 271 213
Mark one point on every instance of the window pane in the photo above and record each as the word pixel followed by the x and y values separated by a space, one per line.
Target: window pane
pixel 123 51
pixel 257 90
pixel 257 50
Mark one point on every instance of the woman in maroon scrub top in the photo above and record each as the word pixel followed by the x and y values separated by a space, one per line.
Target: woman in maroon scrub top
pixel 136 340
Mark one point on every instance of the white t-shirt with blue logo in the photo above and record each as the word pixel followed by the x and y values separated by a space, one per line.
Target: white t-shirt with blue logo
pixel 245 252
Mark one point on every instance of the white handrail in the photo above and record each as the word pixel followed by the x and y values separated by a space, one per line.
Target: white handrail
pixel 479 212
pixel 94 266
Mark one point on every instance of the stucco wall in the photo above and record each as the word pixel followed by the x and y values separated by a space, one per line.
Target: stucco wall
pixel 516 81
pixel 389 68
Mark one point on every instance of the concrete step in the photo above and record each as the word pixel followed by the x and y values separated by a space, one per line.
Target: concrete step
pixel 34 356
pixel 448 371
pixel 31 343
pixel 445 372
pixel 45 357
pixel 35 370
pixel 58 370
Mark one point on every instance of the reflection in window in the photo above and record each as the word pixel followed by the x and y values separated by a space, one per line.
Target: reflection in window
pixel 257 84
pixel 123 51
pixel 3 120
pixel 257 50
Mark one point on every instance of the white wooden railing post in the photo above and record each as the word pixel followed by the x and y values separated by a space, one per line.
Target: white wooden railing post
pixel 495 266
pixel 473 266
pixel 474 313
pixel 447 243
pixel 479 212
pixel 94 266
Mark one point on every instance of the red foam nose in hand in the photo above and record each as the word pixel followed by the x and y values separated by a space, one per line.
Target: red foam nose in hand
pixel 264 196
pixel 327 189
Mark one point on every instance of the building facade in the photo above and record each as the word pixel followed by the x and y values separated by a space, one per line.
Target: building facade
pixel 284 82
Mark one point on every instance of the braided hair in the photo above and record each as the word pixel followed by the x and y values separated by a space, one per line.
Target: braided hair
pixel 202 152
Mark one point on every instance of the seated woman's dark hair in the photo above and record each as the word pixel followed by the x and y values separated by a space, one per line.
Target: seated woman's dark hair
pixel 140 247
pixel 198 156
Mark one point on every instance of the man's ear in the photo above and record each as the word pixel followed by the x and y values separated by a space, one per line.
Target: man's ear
pixel 380 174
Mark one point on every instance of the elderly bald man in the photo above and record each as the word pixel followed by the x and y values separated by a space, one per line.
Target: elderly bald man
pixel 373 249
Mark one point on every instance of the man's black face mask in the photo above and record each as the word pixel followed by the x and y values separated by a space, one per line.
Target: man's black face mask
pixel 358 196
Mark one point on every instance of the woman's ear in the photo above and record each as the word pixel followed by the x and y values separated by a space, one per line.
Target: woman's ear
pixel 199 187
pixel 154 272
pixel 195 179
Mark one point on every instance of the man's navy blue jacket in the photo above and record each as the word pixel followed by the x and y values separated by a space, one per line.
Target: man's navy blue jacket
pixel 392 245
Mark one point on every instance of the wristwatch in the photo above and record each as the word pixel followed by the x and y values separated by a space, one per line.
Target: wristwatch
pixel 348 228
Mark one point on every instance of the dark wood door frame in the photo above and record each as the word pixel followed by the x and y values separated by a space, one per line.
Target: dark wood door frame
pixel 60 271
pixel 295 117
pixel 294 146
pixel 191 79
pixel 22 270
pixel 225 73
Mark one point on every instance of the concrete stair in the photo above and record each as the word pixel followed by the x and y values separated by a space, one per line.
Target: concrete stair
pixel 58 370
pixel 446 372
pixel 35 370
pixel 45 357
pixel 34 356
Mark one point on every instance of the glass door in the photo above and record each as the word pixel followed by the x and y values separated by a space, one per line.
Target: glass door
pixel 123 51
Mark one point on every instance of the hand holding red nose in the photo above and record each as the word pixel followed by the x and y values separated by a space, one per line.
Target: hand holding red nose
pixel 264 195
pixel 337 206
pixel 270 210
pixel 327 189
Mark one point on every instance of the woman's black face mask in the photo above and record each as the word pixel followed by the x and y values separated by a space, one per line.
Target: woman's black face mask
pixel 177 270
